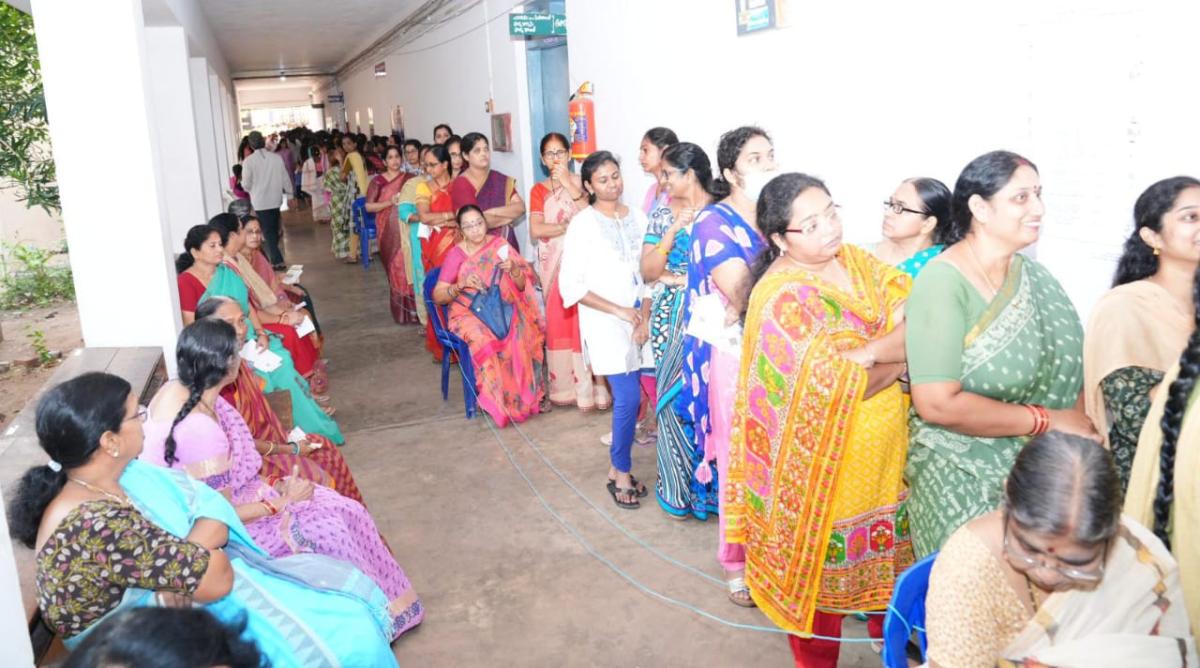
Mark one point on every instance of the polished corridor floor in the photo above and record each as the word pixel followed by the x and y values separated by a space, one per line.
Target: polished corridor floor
pixel 503 582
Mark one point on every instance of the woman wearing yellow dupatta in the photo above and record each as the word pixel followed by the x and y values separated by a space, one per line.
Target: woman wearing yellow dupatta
pixel 819 434
pixel 1164 487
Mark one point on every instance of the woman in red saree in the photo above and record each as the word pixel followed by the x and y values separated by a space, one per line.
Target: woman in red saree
pixel 506 370
pixel 314 457
pixel 495 193
pixel 436 212
pixel 552 204
pixel 393 241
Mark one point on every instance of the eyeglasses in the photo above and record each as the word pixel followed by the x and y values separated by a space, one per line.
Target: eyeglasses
pixel 810 224
pixel 1019 558
pixel 471 226
pixel 898 208
pixel 556 154
pixel 431 165
pixel 141 414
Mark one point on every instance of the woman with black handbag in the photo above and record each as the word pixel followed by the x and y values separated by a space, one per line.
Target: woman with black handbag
pixel 490 290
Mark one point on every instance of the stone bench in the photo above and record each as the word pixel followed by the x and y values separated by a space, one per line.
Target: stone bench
pixel 19 449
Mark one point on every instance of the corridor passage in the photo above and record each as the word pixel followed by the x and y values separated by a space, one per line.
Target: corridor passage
pixel 503 582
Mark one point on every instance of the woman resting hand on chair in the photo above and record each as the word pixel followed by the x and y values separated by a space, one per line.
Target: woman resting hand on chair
pixel 507 370
pixel 1056 576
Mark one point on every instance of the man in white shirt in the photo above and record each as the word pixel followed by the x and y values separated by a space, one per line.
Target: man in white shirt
pixel 266 178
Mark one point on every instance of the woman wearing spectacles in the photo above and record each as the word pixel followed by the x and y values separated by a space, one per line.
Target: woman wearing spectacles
pixel 552 204
pixel 1056 577
pixel 995 351
pixel 814 489
pixel 916 221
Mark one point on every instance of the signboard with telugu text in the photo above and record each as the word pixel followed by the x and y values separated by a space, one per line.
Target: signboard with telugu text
pixel 536 24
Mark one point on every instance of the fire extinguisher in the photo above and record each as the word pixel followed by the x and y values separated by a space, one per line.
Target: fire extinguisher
pixel 583 122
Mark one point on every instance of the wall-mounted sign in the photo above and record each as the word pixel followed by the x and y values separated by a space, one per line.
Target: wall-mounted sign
pixel 381 69
pixel 758 15
pixel 337 98
pixel 536 24
pixel 502 132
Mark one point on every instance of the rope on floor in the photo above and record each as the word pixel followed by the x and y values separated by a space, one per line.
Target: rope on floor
pixel 596 554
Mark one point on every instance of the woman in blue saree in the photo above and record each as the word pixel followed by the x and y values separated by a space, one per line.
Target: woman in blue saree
pixel 203 273
pixel 112 533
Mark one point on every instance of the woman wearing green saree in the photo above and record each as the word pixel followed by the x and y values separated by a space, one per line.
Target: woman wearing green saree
pixel 203 274
pixel 995 352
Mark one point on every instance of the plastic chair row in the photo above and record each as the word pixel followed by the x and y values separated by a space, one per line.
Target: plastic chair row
pixel 364 226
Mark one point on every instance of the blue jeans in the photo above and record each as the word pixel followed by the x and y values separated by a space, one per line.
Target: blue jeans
pixel 627 396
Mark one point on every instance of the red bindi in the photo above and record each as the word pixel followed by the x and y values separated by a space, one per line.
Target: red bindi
pixel 1050 550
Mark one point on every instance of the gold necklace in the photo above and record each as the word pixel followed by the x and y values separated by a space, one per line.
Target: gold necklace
pixel 94 488
pixel 979 266
pixel 1032 598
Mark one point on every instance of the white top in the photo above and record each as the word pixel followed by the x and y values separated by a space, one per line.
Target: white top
pixel 266 178
pixel 603 255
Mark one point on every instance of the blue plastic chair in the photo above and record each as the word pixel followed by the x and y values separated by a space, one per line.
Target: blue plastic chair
pixel 906 614
pixel 364 227
pixel 451 345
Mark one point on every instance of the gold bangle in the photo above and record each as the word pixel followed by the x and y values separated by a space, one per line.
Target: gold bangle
pixel 662 251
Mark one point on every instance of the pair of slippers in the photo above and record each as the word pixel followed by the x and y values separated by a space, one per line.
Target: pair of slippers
pixel 638 491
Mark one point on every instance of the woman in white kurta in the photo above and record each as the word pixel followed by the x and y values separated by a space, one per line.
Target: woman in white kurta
pixel 601 272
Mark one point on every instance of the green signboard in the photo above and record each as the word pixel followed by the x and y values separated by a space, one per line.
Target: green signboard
pixel 536 24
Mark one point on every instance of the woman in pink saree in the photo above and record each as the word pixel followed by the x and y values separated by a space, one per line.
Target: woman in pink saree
pixel 191 428
pixel 495 193
pixel 552 204
pixel 394 247
pixel 507 371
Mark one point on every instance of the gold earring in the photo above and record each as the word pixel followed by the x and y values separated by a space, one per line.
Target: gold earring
pixel 1156 251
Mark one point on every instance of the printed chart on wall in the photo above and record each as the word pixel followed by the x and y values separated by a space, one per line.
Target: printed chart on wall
pixel 1088 98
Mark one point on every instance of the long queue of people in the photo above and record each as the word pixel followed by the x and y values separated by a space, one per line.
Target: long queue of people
pixel 846 410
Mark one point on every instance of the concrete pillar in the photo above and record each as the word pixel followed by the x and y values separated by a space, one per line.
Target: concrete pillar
pixel 220 127
pixel 205 137
pixel 167 59
pixel 96 79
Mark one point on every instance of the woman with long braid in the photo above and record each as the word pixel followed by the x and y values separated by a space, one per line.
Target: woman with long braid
pixel 190 427
pixel 1164 490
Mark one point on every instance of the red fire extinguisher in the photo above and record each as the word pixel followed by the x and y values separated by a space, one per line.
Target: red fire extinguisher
pixel 583 122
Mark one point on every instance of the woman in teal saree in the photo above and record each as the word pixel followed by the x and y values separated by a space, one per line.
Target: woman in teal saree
pixel 176 542
pixel 203 273
pixel 995 352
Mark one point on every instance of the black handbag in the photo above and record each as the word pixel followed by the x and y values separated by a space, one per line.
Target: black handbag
pixel 489 306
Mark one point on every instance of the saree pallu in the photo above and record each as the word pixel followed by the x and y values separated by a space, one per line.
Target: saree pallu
pixel 815 488
pixel 325 466
pixel 434 248
pixel 1184 527
pixel 305 411
pixel 497 190
pixel 339 212
pixel 1134 617
pixel 304 352
pixel 262 266
pixel 342 622
pixel 1027 348
pixel 394 248
pixel 406 211
pixel 506 370
pixel 221 454
pixel 571 379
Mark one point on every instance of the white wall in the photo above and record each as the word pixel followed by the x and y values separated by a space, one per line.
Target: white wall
pixel 1097 93
pixel 450 83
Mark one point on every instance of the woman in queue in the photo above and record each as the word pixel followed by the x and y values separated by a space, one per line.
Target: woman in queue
pixel 193 429
pixel 725 242
pixel 916 222
pixel 552 204
pixel 312 183
pixel 601 273
pixel 203 274
pixel 1055 576
pixel 339 206
pixel 435 214
pixel 184 542
pixel 1163 488
pixel 295 295
pixel 494 192
pixel 814 489
pixel 995 351
pixel 688 180
pixel 507 364
pixel 1138 329
pixel 312 457
pixel 650 151
pixel 454 150
pixel 394 244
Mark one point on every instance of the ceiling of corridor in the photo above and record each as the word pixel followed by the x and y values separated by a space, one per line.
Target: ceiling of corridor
pixel 261 36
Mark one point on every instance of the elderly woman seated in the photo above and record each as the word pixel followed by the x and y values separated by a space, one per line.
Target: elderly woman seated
pixel 506 367
pixel 1057 577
